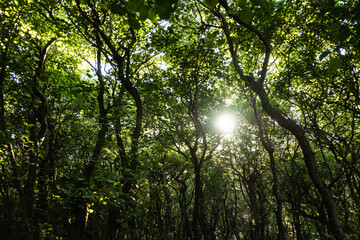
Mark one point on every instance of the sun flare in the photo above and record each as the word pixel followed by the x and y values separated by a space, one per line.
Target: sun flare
pixel 226 123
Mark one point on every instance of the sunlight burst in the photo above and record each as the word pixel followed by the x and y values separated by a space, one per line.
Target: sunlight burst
pixel 225 123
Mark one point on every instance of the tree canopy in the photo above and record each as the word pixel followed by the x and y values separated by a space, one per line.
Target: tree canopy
pixel 179 119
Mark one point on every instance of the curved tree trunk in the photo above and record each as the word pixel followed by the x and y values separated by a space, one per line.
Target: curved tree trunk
pixel 309 157
pixel 270 150
pixel 296 130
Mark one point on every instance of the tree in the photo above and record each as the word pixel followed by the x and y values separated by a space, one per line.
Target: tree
pixel 108 111
pixel 256 84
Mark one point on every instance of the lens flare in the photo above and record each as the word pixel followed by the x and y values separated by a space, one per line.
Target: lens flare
pixel 226 123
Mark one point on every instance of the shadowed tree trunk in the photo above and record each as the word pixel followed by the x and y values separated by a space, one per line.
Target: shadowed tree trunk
pixel 80 209
pixel 121 58
pixel 270 150
pixel 257 86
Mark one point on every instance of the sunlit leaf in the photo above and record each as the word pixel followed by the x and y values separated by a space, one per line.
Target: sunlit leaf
pixel 323 55
pixel 152 16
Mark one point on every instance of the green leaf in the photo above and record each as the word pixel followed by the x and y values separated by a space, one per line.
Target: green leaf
pixel 323 55
pixel 110 181
pixel 334 64
pixel 164 8
pixel 152 16
pixel 144 12
pixel 245 15
pixel 134 5
pixel 164 13
pixel 334 26
pixel 260 3
pixel 117 9
pixel 342 35
pixel 340 12
pixel 211 3
pixel 134 24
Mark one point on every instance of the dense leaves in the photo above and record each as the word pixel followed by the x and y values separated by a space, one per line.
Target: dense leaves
pixel 108 114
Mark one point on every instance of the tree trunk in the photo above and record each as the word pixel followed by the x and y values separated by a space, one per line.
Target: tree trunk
pixel 196 212
pixel 80 208
pixel 333 219
pixel 270 150
pixel 254 221
pixel 333 225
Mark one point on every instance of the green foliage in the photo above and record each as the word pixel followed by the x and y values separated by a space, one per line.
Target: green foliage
pixel 211 3
pixel 117 9
pixel 164 8
pixel 70 155
pixel 245 14
pixel 334 64
pixel 134 5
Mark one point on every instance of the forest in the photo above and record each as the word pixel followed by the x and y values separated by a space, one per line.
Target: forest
pixel 179 119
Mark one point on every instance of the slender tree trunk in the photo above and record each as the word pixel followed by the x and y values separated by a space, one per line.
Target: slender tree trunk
pixel 254 223
pixel 3 64
pixel 185 230
pixel 27 230
pixel 334 225
pixel 80 211
pixel 267 145
pixel 279 208
pixel 295 204
pixel 196 212
pixel 38 114
pixel 200 225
